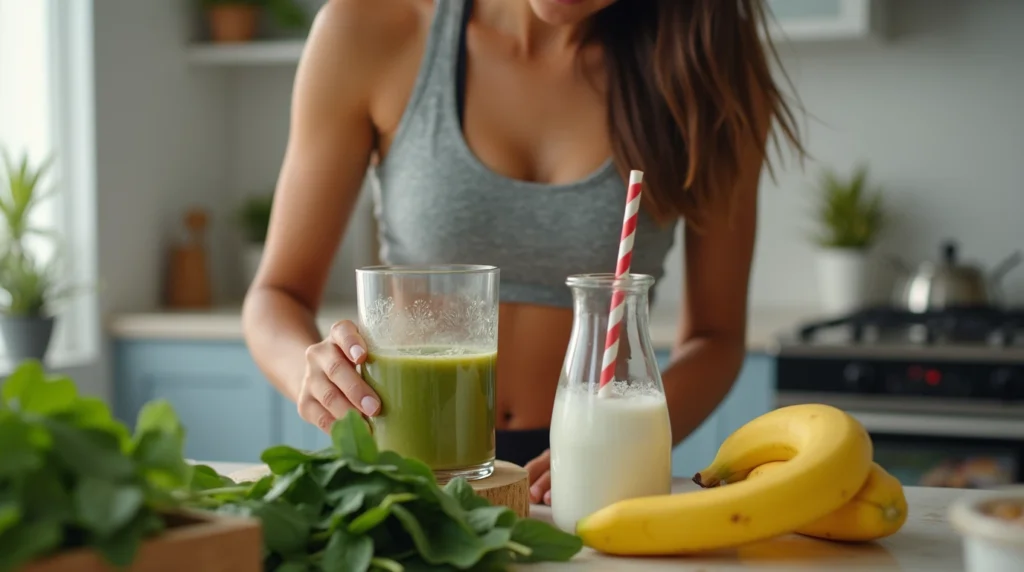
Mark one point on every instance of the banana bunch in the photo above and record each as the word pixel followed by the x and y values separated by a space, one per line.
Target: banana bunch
pixel 803 468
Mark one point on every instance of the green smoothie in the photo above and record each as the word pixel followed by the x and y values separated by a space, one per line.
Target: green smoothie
pixel 436 405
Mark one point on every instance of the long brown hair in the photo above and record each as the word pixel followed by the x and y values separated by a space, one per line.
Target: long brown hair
pixel 690 91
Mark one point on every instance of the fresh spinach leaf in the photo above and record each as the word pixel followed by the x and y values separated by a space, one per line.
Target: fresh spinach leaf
pixel 351 437
pixel 285 528
pixel 483 518
pixel 205 478
pixel 348 552
pixel 18 453
pixel 105 506
pixel 89 452
pixel 546 542
pixel 26 542
pixel 282 459
pixel 463 492
pixel 443 540
pixel 10 515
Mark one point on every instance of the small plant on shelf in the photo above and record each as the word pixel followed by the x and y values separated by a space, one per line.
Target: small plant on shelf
pixel 234 21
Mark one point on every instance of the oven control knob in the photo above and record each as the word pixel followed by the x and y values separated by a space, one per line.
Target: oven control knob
pixel 1008 383
pixel 859 377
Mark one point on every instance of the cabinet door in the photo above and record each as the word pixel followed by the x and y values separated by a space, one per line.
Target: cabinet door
pixel 816 20
pixel 229 409
pixel 796 10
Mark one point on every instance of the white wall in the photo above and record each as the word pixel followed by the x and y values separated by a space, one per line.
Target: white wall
pixel 937 114
pixel 160 149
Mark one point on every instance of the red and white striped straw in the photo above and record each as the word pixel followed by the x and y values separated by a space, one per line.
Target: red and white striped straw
pixel 611 343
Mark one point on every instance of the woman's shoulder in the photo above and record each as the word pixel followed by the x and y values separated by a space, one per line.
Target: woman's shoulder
pixel 371 30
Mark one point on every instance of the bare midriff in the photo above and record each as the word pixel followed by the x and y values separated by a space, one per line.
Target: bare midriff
pixel 531 347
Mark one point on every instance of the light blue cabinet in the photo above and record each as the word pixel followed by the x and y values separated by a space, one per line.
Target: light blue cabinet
pixel 752 394
pixel 232 413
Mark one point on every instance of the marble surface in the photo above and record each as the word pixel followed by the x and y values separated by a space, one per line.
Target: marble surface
pixel 926 543
pixel 225 323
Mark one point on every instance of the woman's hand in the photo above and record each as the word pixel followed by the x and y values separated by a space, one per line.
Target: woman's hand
pixel 539 471
pixel 331 385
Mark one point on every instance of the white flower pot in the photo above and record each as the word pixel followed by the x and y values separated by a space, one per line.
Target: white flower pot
pixel 251 255
pixel 844 279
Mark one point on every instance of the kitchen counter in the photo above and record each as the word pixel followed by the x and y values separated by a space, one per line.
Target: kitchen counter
pixel 225 323
pixel 927 543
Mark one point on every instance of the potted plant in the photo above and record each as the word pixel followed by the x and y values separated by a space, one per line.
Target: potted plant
pixel 233 21
pixel 31 285
pixel 254 219
pixel 850 218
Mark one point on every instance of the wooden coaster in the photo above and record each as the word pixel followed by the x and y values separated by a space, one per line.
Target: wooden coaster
pixel 508 485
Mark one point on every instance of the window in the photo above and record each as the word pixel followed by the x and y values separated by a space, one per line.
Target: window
pixel 46 109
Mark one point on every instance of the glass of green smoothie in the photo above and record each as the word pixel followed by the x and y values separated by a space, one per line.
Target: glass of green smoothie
pixel 432 333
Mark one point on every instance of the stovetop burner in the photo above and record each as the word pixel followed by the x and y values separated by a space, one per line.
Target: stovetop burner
pixel 985 325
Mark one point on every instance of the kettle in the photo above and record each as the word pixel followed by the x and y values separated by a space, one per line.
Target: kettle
pixel 948 283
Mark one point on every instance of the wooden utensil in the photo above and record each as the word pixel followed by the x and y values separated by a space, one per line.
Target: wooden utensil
pixel 188 280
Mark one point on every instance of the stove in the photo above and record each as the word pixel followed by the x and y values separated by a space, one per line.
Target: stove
pixel 941 393
pixel 957 354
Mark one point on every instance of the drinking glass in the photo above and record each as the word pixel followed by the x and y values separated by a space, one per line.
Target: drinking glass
pixel 432 336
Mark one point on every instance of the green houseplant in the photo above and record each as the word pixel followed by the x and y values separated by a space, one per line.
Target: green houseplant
pixel 238 20
pixel 850 217
pixel 31 285
pixel 254 220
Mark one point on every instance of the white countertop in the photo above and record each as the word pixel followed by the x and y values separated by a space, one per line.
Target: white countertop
pixel 926 543
pixel 225 323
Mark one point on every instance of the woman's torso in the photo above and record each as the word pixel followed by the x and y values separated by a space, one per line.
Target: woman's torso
pixel 517 175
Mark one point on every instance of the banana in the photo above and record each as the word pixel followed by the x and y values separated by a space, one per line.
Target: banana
pixel 879 509
pixel 829 455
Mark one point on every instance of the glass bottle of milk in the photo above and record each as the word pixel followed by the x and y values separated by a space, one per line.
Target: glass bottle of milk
pixel 615 442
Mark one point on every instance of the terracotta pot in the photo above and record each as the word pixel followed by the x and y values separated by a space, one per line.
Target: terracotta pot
pixel 233 22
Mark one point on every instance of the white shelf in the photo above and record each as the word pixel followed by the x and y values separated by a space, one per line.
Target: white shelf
pixel 255 53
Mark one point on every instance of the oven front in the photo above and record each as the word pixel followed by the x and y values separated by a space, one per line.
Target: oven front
pixel 933 422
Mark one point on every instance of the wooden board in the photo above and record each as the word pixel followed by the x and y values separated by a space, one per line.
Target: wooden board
pixel 193 541
pixel 507 486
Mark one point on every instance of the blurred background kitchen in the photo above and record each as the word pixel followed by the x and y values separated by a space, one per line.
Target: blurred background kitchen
pixel 167 122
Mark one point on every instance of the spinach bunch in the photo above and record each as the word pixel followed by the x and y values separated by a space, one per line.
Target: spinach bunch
pixel 351 507
pixel 73 476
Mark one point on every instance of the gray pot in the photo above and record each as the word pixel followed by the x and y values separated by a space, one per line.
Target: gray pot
pixel 26 337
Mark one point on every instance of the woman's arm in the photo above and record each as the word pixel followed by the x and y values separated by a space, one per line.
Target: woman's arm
pixel 330 142
pixel 711 345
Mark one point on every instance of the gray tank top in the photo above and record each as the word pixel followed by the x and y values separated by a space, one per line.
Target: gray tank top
pixel 437 203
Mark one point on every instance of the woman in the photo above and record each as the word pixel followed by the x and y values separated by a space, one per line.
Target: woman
pixel 503 129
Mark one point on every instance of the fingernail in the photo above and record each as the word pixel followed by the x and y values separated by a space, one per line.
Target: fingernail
pixel 357 352
pixel 369 405
pixel 534 493
pixel 547 497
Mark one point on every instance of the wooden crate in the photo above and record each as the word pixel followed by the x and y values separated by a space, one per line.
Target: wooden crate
pixel 192 542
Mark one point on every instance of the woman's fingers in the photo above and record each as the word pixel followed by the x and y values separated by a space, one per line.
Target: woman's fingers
pixel 328 396
pixel 329 358
pixel 315 413
pixel 538 466
pixel 346 335
pixel 540 489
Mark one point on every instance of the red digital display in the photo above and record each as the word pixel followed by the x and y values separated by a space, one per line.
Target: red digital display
pixel 933 377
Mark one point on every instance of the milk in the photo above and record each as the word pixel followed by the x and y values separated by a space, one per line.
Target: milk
pixel 605 449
